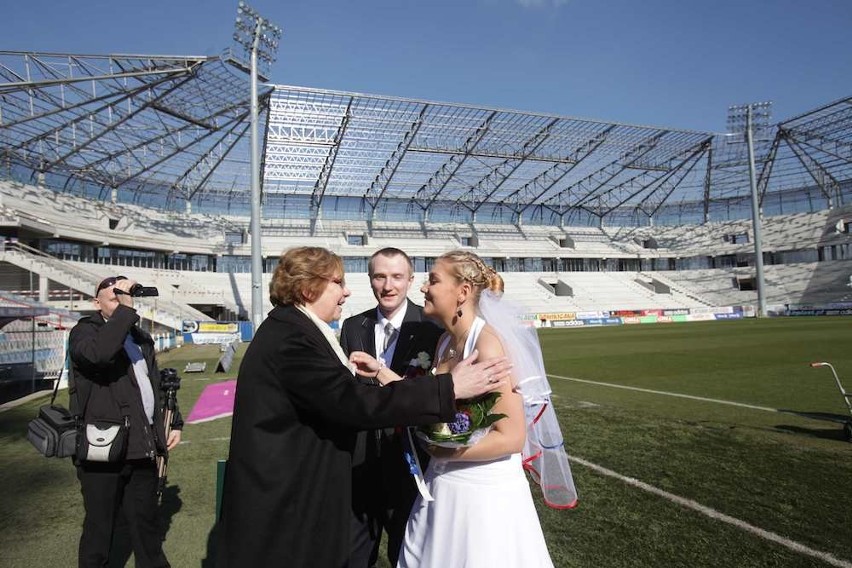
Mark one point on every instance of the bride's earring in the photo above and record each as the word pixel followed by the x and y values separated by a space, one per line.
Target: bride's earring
pixel 459 312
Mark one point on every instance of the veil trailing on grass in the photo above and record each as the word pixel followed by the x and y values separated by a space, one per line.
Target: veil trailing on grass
pixel 544 453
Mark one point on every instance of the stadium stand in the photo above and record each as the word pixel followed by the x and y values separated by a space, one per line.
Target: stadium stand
pixel 195 294
pixel 32 345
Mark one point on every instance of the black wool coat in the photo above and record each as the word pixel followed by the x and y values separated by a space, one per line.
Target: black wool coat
pixel 287 491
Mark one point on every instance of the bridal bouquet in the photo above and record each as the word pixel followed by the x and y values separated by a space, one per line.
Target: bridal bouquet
pixel 473 421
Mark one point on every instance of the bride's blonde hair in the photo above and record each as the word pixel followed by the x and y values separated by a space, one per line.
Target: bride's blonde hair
pixel 466 266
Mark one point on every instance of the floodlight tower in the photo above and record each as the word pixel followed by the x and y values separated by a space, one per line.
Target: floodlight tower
pixel 746 119
pixel 259 39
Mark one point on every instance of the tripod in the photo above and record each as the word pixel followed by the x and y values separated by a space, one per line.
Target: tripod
pixel 163 460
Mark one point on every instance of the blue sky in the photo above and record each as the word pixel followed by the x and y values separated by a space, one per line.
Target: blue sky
pixel 670 63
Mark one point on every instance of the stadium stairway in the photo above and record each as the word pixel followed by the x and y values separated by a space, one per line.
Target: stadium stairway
pixel 181 287
pixel 677 288
pixel 165 312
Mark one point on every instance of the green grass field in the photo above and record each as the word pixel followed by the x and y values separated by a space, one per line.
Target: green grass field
pixel 765 483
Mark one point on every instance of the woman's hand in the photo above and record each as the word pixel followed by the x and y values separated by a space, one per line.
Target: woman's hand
pixel 369 366
pixel 364 363
pixel 472 378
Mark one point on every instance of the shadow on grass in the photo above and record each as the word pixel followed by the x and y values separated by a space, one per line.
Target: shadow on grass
pixel 122 547
pixel 828 416
pixel 170 504
pixel 843 421
pixel 834 433
pixel 209 560
pixel 825 434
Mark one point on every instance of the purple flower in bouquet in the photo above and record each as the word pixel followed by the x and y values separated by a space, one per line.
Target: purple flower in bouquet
pixel 461 424
pixel 473 420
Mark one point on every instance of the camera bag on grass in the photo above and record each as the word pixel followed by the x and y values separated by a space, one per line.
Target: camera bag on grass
pixel 103 440
pixel 54 432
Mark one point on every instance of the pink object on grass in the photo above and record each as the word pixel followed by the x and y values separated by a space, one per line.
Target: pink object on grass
pixel 216 401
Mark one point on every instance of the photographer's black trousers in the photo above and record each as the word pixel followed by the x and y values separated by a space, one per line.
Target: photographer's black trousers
pixel 108 488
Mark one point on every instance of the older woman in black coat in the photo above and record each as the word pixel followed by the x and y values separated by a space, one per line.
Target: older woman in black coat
pixel 287 487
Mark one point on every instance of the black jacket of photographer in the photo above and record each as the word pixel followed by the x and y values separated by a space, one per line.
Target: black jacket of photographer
pixel 98 360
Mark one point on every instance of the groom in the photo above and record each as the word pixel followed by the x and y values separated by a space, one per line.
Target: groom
pixel 396 332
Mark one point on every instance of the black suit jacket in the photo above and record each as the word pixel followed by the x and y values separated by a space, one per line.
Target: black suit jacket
pixel 416 334
pixel 287 494
pixel 380 474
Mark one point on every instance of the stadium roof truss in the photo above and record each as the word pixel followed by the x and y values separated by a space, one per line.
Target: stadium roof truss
pixel 425 160
pixel 821 142
pixel 806 158
pixel 164 131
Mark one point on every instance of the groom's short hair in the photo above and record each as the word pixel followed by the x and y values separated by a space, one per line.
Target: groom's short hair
pixel 389 252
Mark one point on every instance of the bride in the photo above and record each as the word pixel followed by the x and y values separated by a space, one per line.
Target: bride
pixel 476 508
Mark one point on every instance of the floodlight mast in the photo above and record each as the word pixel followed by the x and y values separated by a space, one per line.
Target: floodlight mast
pixel 259 37
pixel 743 117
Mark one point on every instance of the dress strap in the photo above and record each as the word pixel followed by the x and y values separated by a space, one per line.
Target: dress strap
pixel 475 328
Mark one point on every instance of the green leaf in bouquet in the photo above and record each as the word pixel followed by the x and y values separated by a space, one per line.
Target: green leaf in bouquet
pixel 477 415
pixel 488 399
pixel 491 419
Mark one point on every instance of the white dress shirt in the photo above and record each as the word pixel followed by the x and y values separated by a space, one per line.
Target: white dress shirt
pixel 381 322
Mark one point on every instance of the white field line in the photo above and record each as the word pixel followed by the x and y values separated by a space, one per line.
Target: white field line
pixel 666 393
pixel 714 514
pixel 210 418
pixel 203 440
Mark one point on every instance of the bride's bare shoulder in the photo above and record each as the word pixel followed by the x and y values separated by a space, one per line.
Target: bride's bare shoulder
pixel 488 343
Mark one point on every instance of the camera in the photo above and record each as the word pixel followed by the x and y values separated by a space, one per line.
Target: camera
pixel 169 380
pixel 138 291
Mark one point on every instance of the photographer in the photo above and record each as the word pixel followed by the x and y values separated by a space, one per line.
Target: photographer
pixel 115 378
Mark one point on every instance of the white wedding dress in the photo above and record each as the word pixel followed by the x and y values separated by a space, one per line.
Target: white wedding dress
pixel 482 514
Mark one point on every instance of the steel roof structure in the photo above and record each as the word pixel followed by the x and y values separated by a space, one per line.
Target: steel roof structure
pixel 437 160
pixel 168 132
pixel 159 130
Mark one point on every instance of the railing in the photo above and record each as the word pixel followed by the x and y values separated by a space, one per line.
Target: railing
pixel 163 311
pixel 52 262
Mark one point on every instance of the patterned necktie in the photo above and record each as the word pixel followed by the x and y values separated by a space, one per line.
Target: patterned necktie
pixel 390 334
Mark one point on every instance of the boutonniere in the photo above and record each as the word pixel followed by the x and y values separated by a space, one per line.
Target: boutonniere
pixel 422 361
pixel 420 365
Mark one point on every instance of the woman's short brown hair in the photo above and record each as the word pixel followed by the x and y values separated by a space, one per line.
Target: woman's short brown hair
pixel 302 274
